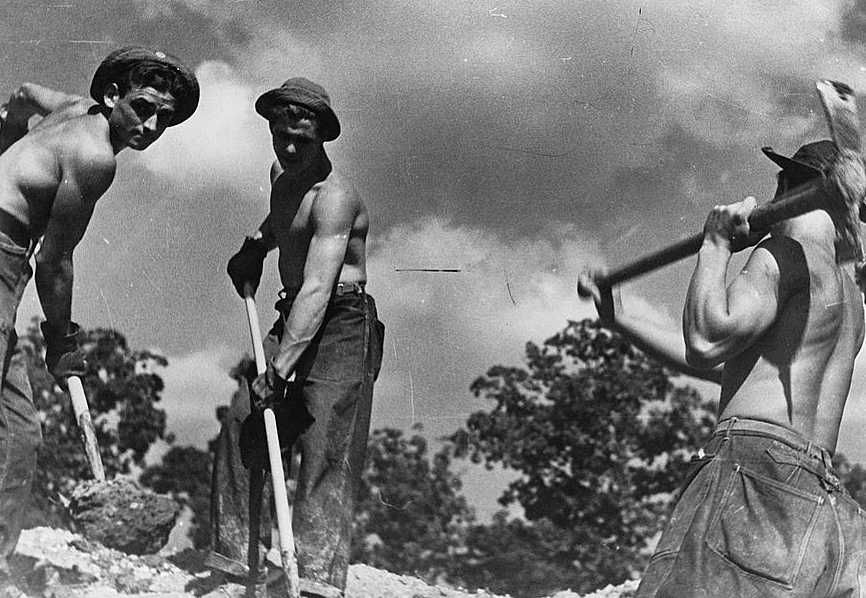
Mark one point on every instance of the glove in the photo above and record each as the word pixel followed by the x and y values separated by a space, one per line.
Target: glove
pixel 292 417
pixel 63 358
pixel 245 267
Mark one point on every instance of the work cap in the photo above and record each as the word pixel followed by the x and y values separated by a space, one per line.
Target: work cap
pixel 302 92
pixel 812 159
pixel 120 61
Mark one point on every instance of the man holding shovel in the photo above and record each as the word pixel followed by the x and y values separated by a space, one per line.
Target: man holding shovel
pixel 58 159
pixel 327 335
pixel 762 512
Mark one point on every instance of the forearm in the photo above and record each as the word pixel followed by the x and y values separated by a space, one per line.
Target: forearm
pixel 302 323
pixel 54 287
pixel 664 344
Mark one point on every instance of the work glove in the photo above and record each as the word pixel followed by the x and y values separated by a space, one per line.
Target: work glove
pixel 245 267
pixel 293 419
pixel 63 357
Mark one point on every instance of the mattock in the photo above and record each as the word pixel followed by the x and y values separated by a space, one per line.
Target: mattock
pixel 840 192
pixel 281 500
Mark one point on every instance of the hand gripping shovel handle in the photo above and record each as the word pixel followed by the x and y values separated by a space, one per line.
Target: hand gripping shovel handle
pixel 805 198
pixel 278 478
pixel 85 427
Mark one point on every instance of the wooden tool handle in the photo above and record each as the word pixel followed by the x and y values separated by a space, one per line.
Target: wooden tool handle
pixel 85 427
pixel 278 477
pixel 813 195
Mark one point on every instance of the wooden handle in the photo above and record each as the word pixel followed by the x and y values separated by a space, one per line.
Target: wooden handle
pixel 278 477
pixel 85 427
pixel 813 195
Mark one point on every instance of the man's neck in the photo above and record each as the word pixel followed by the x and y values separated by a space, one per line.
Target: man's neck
pixel 316 173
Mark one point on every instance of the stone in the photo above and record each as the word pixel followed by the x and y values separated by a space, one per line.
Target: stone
pixel 120 514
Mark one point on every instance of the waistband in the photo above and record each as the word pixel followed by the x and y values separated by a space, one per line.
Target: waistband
pixel 735 426
pixel 340 289
pixel 14 229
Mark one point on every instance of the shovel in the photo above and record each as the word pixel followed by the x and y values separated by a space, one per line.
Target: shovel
pixel 278 478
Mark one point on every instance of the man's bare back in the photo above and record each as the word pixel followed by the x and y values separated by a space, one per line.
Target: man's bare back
pixel 798 373
pixel 787 329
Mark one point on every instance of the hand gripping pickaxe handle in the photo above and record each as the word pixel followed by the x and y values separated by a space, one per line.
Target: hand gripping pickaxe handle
pixel 840 109
pixel 805 198
pixel 278 478
pixel 85 427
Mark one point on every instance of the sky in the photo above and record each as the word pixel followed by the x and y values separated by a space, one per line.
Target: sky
pixel 517 141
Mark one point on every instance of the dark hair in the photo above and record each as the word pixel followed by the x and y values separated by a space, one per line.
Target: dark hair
pixel 159 77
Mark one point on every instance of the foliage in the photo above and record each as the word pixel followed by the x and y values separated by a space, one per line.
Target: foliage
pixel 185 473
pixel 409 517
pixel 123 391
pixel 600 437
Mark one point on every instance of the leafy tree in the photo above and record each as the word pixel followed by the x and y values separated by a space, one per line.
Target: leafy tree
pixel 123 391
pixel 409 517
pixel 185 473
pixel 600 437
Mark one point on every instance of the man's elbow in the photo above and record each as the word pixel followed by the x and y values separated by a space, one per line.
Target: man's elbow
pixel 703 354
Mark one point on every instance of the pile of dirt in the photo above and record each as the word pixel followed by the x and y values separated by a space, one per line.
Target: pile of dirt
pixel 51 563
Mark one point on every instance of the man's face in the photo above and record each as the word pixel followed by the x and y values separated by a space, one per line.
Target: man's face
pixel 297 144
pixel 139 118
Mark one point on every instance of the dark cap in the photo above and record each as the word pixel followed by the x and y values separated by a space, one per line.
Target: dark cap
pixel 812 159
pixel 120 61
pixel 302 92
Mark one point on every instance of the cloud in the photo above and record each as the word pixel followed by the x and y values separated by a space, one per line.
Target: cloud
pixel 195 385
pixel 225 143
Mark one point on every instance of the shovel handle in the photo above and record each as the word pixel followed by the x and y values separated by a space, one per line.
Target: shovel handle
pixel 278 476
pixel 813 195
pixel 85 427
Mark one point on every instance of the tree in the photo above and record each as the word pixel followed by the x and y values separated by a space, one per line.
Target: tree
pixel 123 391
pixel 600 437
pixel 185 473
pixel 409 517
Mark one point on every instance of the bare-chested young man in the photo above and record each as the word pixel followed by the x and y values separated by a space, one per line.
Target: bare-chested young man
pixel 328 334
pixel 59 159
pixel 762 512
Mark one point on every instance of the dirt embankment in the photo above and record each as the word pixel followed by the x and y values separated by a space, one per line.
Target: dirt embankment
pixel 50 563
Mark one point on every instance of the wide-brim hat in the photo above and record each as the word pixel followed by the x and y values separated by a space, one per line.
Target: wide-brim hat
pixel 812 159
pixel 302 92
pixel 120 61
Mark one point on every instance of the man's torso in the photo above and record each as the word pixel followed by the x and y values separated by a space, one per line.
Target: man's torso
pixel 293 227
pixel 798 373
pixel 33 169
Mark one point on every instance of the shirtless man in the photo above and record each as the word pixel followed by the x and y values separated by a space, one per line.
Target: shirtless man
pixel 50 180
pixel 328 334
pixel 762 512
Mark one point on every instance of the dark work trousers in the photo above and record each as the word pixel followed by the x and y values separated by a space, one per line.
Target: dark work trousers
pixel 763 513
pixel 20 429
pixel 336 374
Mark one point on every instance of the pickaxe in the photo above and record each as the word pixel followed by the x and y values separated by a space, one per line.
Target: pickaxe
pixel 278 478
pixel 842 191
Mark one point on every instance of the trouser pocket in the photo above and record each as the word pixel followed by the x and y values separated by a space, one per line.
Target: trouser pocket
pixel 763 526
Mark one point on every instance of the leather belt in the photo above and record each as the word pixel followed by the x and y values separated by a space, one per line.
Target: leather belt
pixel 349 288
pixel 14 229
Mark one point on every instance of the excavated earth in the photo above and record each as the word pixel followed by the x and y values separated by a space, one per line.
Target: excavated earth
pixel 51 563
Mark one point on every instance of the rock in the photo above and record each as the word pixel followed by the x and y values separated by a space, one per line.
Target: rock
pixel 121 514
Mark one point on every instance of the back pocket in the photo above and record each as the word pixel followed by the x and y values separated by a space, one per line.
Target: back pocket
pixel 763 526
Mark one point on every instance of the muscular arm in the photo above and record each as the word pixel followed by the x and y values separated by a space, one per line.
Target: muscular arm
pixel 332 215
pixel 662 343
pixel 718 322
pixel 28 101
pixel 70 214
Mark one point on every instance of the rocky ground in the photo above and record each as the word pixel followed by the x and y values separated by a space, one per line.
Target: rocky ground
pixel 52 563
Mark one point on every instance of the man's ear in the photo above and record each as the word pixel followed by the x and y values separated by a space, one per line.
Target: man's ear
pixel 111 95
